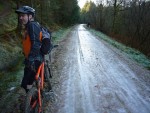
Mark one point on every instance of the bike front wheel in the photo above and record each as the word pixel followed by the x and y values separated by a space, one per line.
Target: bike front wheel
pixel 32 104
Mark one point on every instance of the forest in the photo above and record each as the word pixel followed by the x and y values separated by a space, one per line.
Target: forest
pixel 126 21
pixel 54 12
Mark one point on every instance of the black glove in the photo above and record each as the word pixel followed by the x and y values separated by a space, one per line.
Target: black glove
pixel 30 64
pixel 33 65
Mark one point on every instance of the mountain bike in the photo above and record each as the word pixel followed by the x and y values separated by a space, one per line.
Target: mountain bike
pixel 42 83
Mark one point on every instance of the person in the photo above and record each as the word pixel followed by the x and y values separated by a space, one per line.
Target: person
pixel 31 45
pixel 88 24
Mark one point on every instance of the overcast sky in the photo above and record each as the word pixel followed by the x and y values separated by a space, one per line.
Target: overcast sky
pixel 82 2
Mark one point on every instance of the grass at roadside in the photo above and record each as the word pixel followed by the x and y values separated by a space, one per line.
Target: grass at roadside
pixel 60 34
pixel 130 52
pixel 10 78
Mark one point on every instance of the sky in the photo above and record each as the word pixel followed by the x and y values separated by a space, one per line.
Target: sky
pixel 82 2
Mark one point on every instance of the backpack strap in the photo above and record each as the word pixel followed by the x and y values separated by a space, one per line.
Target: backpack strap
pixel 40 36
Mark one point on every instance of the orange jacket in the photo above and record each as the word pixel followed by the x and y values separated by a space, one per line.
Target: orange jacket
pixel 27 44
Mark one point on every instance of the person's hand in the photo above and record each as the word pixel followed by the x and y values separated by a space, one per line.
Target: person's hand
pixel 30 64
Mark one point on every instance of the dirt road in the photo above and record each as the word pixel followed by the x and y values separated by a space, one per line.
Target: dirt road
pixel 95 78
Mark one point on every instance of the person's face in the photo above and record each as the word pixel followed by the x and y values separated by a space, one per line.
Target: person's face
pixel 24 18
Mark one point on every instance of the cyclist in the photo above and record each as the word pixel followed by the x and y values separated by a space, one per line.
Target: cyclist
pixel 31 45
pixel 88 24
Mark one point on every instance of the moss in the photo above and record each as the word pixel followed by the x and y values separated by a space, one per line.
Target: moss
pixel 60 34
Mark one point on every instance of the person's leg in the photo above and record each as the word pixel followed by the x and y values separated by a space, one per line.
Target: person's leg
pixel 29 76
pixel 28 79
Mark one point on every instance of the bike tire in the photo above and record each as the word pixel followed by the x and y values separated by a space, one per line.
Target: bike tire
pixel 47 77
pixel 32 95
pixel 50 66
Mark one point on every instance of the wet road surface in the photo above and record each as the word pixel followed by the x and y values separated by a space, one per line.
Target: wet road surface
pixel 97 80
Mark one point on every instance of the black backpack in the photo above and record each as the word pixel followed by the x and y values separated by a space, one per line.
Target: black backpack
pixel 46 41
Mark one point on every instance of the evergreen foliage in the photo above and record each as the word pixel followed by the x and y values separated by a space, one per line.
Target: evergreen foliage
pixel 52 12
pixel 125 21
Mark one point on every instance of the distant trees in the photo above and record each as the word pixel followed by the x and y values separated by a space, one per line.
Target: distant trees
pixel 127 21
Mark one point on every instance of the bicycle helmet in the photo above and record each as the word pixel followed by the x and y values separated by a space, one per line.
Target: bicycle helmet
pixel 26 10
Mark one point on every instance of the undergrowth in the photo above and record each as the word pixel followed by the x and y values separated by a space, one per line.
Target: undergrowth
pixel 57 36
pixel 11 77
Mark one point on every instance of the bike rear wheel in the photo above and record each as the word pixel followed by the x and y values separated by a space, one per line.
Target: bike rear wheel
pixel 31 104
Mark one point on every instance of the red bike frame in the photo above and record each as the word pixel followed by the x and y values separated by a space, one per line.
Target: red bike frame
pixel 40 80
